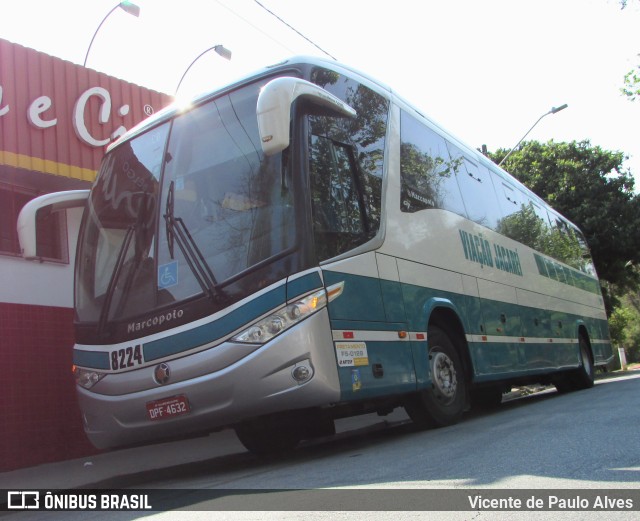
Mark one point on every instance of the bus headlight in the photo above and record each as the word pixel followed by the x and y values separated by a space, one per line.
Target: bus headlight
pixel 267 328
pixel 87 378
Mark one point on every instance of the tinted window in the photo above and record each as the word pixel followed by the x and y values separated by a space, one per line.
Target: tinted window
pixel 235 203
pixel 567 244
pixel 428 178
pixel 477 189
pixel 529 225
pixel 346 166
pixel 51 227
pixel 339 218
pixel 528 222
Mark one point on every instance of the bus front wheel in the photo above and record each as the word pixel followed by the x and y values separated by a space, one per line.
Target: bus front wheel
pixel 269 435
pixel 444 401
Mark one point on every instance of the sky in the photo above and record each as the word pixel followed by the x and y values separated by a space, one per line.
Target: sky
pixel 484 70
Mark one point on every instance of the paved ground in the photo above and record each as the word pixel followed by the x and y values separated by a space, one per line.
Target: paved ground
pixel 108 466
pixel 85 472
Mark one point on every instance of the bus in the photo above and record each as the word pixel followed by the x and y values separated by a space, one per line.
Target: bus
pixel 305 245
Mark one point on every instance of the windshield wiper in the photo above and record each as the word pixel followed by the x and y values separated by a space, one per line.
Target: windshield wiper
pixel 177 231
pixel 115 275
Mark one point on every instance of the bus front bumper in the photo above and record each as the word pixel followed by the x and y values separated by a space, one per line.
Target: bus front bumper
pixel 260 383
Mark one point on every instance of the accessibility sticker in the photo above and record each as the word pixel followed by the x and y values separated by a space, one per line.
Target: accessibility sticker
pixel 168 275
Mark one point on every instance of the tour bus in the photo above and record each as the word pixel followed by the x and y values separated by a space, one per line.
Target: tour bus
pixel 304 245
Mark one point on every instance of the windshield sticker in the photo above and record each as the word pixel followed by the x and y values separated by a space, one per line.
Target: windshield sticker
pixel 240 203
pixel 168 275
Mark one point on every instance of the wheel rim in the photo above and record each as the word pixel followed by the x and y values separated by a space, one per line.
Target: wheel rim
pixel 445 380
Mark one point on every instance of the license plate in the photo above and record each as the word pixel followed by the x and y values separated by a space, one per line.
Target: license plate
pixel 168 408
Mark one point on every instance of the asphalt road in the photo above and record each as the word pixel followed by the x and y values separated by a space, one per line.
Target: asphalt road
pixel 587 441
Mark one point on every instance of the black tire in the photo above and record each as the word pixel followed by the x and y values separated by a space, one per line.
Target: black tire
pixel 584 376
pixel 581 378
pixel 486 398
pixel 444 402
pixel 269 435
pixel 564 384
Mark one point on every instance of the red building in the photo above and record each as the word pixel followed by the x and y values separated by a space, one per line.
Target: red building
pixel 56 119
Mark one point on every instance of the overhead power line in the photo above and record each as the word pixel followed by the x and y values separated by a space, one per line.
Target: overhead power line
pixel 254 26
pixel 294 29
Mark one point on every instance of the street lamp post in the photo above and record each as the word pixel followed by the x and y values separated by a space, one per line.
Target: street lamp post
pixel 126 6
pixel 552 111
pixel 221 50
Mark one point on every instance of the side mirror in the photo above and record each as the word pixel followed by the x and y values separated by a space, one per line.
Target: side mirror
pixel 27 218
pixel 274 109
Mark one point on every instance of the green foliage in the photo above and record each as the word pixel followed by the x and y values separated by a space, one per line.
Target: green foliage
pixel 631 87
pixel 618 322
pixel 592 188
pixel 624 326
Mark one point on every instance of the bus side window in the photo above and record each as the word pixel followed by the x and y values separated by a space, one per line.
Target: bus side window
pixel 517 216
pixel 586 263
pixel 427 172
pixel 566 246
pixel 477 190
pixel 512 204
pixel 339 218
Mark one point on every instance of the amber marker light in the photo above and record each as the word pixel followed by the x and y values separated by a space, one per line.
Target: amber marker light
pixel 335 291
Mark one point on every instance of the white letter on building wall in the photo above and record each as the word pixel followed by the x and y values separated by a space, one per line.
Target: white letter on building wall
pixel 78 115
pixel 40 105
pixel 5 109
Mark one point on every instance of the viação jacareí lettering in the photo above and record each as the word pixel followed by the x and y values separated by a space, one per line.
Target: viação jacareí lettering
pixel 478 249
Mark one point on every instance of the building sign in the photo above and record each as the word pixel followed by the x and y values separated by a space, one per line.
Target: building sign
pixel 57 117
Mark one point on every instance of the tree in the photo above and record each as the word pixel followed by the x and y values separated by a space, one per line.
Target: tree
pixel 631 87
pixel 624 326
pixel 592 188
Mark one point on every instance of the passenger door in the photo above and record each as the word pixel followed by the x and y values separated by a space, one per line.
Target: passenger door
pixel 372 357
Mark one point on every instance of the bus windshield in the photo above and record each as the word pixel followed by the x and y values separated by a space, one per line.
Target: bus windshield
pixel 183 211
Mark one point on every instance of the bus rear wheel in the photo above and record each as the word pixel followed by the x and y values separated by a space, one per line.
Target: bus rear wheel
pixel 581 378
pixel 444 402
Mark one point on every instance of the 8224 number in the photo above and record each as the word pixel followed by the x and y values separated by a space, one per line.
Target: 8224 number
pixel 126 358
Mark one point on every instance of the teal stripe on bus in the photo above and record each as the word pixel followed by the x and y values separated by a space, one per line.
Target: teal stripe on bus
pixel 93 359
pixel 304 284
pixel 196 337
pixel 361 300
pixel 225 325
